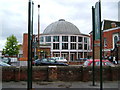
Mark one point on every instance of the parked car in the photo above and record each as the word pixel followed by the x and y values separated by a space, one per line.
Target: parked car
pixel 48 61
pixel 4 64
pixel 97 62
pixel 81 59
pixel 59 59
pixel 5 60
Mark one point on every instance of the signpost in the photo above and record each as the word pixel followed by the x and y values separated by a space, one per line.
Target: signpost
pixel 97 35
pixel 93 33
pixel 30 35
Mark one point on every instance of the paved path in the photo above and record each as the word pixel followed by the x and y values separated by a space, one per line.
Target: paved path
pixel 108 85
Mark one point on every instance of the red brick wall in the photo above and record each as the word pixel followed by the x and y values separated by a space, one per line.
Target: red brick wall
pixel 60 73
pixel 109 37
pixel 25 45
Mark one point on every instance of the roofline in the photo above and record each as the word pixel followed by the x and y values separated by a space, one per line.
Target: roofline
pixel 67 34
pixel 111 20
pixel 111 29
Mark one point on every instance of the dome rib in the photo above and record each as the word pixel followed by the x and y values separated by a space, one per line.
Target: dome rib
pixel 61 27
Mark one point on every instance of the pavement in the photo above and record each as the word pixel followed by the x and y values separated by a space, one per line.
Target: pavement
pixel 78 85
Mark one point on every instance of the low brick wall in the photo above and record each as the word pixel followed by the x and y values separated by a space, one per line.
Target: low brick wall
pixel 60 73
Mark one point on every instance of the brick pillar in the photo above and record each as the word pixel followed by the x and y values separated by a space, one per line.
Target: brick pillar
pixel 52 73
pixel 17 74
pixel 97 49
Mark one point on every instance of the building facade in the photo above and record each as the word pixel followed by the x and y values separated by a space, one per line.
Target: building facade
pixel 110 38
pixel 64 39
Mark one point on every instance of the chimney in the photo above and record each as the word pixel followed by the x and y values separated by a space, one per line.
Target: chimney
pixel 113 25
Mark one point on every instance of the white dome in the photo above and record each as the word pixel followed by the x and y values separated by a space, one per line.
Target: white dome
pixel 61 27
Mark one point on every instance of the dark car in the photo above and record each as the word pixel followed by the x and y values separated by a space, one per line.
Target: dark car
pixel 81 59
pixel 48 61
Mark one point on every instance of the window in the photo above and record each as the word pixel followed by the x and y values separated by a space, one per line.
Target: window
pixel 55 38
pixel 64 38
pixel 73 46
pixel 55 45
pixel 41 39
pixel 105 42
pixel 85 40
pixel 64 45
pixel 48 38
pixel 73 38
pixel 115 40
pixel 80 46
pixel 85 46
pixel 80 39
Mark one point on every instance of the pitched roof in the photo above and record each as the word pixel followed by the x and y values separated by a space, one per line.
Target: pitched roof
pixel 107 24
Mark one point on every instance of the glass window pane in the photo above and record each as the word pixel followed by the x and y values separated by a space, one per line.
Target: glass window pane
pixel 73 38
pixel 48 38
pixel 41 39
pixel 73 46
pixel 64 45
pixel 80 39
pixel 85 40
pixel 55 45
pixel 85 46
pixel 105 42
pixel 55 38
pixel 80 46
pixel 64 38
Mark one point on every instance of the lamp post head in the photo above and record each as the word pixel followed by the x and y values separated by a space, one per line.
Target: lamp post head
pixel 38 6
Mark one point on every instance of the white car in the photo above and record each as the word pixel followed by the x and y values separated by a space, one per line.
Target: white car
pixel 59 59
pixel 4 64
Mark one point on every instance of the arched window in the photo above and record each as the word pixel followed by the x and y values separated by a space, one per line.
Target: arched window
pixel 115 40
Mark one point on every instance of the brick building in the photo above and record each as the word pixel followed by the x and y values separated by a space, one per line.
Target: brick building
pixel 44 49
pixel 110 37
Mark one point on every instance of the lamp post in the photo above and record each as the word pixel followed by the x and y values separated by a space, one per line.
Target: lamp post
pixel 117 47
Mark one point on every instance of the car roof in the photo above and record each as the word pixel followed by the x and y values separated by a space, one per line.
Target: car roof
pixel 97 60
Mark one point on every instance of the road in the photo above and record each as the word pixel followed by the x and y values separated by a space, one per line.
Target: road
pixel 108 85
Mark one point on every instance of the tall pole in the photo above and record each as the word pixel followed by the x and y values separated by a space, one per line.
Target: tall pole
pixel 38 32
pixel 93 34
pixel 30 34
pixel 101 81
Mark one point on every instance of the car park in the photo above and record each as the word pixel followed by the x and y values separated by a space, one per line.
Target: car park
pixel 48 61
pixel 97 63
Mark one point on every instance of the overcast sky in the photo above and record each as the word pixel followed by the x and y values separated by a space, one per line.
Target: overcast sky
pixel 14 15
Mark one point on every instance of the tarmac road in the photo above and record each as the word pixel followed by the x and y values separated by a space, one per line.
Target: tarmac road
pixel 22 85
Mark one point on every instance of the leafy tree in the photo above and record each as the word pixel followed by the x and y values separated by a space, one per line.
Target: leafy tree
pixel 11 47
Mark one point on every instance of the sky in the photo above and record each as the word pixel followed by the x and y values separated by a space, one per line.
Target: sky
pixel 14 15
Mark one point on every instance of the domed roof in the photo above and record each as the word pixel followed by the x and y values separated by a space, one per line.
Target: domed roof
pixel 61 27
